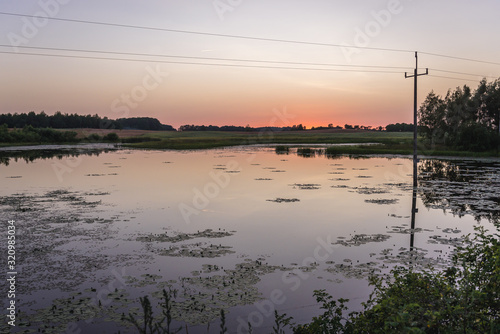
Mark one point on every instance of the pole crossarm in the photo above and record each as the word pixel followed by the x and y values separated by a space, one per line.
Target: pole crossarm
pixel 413 75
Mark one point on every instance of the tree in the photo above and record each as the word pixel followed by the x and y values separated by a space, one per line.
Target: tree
pixel 487 101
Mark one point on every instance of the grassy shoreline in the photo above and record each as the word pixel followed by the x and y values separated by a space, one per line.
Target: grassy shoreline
pixel 398 143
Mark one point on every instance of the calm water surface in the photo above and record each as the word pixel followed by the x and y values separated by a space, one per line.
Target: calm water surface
pixel 241 229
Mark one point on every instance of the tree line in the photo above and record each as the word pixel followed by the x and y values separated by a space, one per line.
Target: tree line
pixel 75 121
pixel 463 119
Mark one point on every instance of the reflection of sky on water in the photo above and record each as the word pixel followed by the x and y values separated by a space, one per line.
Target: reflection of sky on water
pixel 229 189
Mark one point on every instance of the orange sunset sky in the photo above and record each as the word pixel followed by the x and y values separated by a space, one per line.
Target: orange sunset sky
pixel 65 59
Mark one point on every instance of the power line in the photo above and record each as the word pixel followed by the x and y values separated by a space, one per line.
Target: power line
pixel 204 58
pixel 206 33
pixel 471 74
pixel 204 64
pixel 249 37
pixel 451 78
pixel 460 58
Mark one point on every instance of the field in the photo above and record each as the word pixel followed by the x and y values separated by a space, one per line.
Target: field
pixel 199 140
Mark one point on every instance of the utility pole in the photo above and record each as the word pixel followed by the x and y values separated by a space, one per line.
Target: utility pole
pixel 414 209
pixel 415 76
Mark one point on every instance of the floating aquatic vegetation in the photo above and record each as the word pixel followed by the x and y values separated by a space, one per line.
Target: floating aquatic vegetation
pixel 361 239
pixel 382 201
pixel 437 239
pixel 283 200
pixel 358 271
pixel 370 191
pixel 451 230
pixel 282 149
pixel 196 250
pixel 306 152
pixel 164 237
pixel 307 186
pixel 403 230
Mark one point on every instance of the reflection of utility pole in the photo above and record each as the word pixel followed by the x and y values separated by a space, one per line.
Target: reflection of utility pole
pixel 415 157
pixel 415 76
pixel 414 209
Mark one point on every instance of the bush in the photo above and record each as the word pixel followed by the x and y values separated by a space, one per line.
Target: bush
pixel 94 137
pixel 112 137
pixel 476 137
pixel 463 299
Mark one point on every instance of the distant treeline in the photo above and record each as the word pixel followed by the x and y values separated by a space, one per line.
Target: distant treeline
pixel 75 121
pixel 399 127
pixel 143 123
pixel 247 128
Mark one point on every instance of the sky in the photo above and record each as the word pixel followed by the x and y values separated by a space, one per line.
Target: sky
pixel 259 81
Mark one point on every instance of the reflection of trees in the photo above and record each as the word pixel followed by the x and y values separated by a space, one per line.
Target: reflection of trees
pixel 461 187
pixel 31 155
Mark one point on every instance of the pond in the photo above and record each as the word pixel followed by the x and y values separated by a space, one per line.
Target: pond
pixel 243 229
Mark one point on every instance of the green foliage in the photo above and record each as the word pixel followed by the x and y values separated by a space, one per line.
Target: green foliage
pixel 463 120
pixel 57 121
pixel 399 127
pixel 30 134
pixel 94 137
pixel 329 322
pixel 148 324
pixel 463 299
pixel 112 137
pixel 281 322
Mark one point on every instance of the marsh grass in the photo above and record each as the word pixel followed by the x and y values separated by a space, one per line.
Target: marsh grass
pixel 282 149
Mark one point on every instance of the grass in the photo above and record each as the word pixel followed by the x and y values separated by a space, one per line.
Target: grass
pixel 390 142
pixel 201 140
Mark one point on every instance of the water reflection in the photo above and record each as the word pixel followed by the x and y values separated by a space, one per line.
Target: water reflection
pixel 121 210
pixel 31 155
pixel 414 209
pixel 463 187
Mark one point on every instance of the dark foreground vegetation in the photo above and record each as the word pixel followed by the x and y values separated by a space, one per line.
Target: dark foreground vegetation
pixel 463 299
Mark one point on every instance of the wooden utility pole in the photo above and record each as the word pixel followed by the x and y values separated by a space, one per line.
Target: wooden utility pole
pixel 415 76
pixel 415 156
